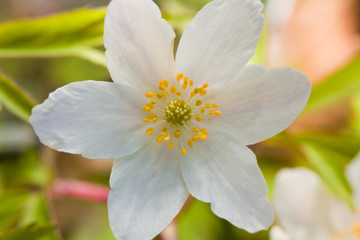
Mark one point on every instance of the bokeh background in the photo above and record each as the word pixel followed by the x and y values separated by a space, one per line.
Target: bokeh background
pixel 48 44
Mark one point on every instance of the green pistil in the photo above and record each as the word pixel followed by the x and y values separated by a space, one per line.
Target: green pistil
pixel 178 112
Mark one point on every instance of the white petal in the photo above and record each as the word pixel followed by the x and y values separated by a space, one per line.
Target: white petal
pixel 139 44
pixel 95 119
pixel 306 210
pixel 220 40
pixel 353 176
pixel 260 103
pixel 276 233
pixel 147 192
pixel 227 175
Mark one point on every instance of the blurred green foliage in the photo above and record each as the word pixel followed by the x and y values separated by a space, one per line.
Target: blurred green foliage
pixel 72 37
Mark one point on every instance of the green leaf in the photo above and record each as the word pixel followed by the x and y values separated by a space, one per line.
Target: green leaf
pixel 65 34
pixel 30 232
pixel 84 26
pixel 14 99
pixel 341 84
pixel 323 162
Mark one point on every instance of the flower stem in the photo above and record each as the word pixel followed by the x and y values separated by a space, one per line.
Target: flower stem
pixel 80 190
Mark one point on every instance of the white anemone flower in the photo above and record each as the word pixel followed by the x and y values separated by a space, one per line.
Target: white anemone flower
pixel 177 127
pixel 306 209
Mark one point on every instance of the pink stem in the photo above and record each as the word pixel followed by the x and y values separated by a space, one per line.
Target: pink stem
pixel 80 189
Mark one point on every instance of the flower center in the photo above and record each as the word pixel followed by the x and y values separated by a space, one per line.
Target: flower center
pixel 178 112
pixel 175 112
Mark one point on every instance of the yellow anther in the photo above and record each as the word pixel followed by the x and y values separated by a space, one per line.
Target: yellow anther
pixel 159 139
pixel 167 138
pixel 166 83
pixel 198 118
pixel 194 138
pixel 217 113
pixel 178 93
pixel 184 151
pixel 177 133
pixel 179 76
pixel 161 83
pixel 196 90
pixel 173 89
pixel 190 143
pixel 150 94
pixel 171 145
pixel 146 120
pixel 162 88
pixel 203 136
pixel 153 102
pixel 146 109
pixel 208 105
pixel 192 94
pixel 164 131
pixel 195 130
pixel 150 105
pixel 202 109
pixel 204 130
pixel 151 116
pixel 184 86
pixel 191 82
pixel 165 93
pixel 155 119
pixel 150 131
pixel 186 79
pixel 214 105
pixel 159 95
pixel 205 85
pixel 203 92
pixel 198 102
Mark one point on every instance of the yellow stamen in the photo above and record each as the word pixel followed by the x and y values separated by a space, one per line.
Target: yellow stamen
pixel 195 130
pixel 161 83
pixel 166 83
pixel 194 138
pixel 146 109
pixel 191 82
pixel 217 113
pixel 171 145
pixel 190 143
pixel 167 138
pixel 146 120
pixel 205 85
pixel 198 102
pixel 173 89
pixel 202 109
pixel 150 131
pixel 150 94
pixel 214 105
pixel 162 88
pixel 203 92
pixel 155 119
pixel 198 118
pixel 177 133
pixel 151 116
pixel 184 86
pixel 159 95
pixel 186 80
pixel 184 151
pixel 159 139
pixel 153 102
pixel 196 90
pixel 203 136
pixel 178 93
pixel 204 130
pixel 179 76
